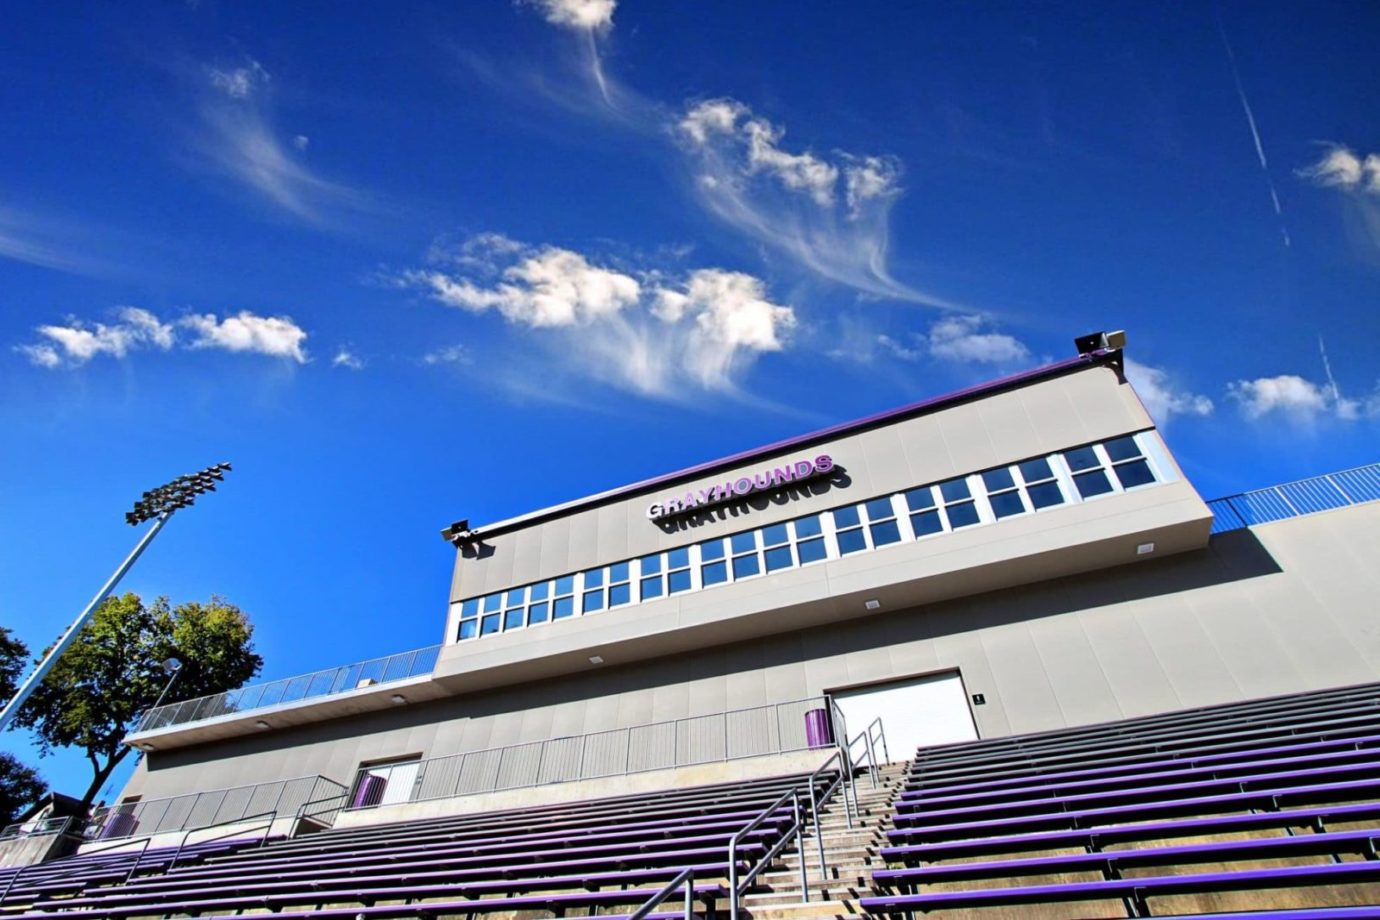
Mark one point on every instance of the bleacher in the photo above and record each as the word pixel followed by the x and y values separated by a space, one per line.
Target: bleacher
pixel 607 856
pixel 1266 808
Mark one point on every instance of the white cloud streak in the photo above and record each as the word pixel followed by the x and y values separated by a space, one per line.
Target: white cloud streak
pixel 77 342
pixel 1255 131
pixel 1161 396
pixel 961 338
pixel 591 21
pixel 831 214
pixel 645 331
pixel 347 359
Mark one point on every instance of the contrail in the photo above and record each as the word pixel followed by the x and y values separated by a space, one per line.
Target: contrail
pixel 596 66
pixel 1327 369
pixel 1255 132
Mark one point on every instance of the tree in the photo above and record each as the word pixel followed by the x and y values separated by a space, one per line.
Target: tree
pixel 12 655
pixel 113 672
pixel 20 786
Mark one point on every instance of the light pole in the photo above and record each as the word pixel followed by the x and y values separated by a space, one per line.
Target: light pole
pixel 156 505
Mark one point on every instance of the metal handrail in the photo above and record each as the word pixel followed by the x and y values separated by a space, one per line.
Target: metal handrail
pixel 143 846
pixel 340 798
pixel 686 877
pixel 48 827
pixel 334 681
pixel 881 734
pixel 737 887
pixel 268 827
pixel 816 803
pixel 273 794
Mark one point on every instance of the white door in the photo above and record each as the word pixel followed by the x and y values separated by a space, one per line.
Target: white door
pixel 915 713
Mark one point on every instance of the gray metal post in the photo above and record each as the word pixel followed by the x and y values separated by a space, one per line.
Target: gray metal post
pixel 70 636
pixel 800 847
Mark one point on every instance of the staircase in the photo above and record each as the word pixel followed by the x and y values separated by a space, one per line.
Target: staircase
pixel 851 855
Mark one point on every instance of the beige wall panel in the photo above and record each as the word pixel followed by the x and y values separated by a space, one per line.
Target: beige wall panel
pixel 555 548
pixel 527 557
pixel 1138 681
pixel 969 445
pixel 1053 414
pixel 963 649
pixel 1080 684
pixel 612 526
pixel 1009 421
pixel 887 467
pixel 1022 683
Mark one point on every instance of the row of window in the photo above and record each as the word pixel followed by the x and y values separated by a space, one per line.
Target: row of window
pixel 1024 488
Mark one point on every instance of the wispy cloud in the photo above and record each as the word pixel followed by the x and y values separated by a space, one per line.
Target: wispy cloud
pixel 239 139
pixel 1163 398
pixel 644 330
pixel 37 239
pixel 77 341
pixel 451 354
pixel 967 338
pixel 1255 131
pixel 347 359
pixel 1291 397
pixel 1343 168
pixel 591 21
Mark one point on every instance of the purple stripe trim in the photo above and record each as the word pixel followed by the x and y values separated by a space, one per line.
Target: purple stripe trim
pixel 916 408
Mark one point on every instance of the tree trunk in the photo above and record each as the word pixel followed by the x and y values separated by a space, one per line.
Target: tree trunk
pixel 103 774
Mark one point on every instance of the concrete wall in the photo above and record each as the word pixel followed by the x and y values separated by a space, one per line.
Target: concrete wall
pixel 1284 607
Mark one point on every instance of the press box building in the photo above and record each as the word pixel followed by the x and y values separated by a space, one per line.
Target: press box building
pixel 1019 556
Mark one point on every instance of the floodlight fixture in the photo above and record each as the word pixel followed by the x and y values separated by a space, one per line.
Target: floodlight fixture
pixel 157 505
pixel 459 533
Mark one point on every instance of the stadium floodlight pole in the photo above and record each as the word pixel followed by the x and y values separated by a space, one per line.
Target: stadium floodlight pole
pixel 156 505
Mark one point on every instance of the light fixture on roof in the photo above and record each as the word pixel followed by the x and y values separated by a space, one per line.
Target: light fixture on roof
pixel 873 604
pixel 398 699
pixel 1100 341
pixel 596 659
pixel 1145 549
pixel 459 534
pixel 262 724
pixel 145 746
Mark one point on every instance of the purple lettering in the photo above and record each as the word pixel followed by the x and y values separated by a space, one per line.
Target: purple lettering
pixel 783 474
pixel 742 486
pixel 763 480
pixel 703 497
pixel 804 469
pixel 824 463
pixel 654 510
pixel 724 492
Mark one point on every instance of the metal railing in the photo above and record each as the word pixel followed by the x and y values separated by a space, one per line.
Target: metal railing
pixel 686 878
pixel 46 828
pixel 199 810
pixel 776 728
pixel 1294 499
pixel 328 682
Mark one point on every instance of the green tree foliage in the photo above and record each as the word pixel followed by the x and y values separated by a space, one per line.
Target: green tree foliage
pixel 12 657
pixel 113 672
pixel 20 787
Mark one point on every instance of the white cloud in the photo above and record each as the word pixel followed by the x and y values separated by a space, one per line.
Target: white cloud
pixel 897 349
pixel 347 359
pixel 240 82
pixel 451 354
pixel 79 342
pixel 1288 395
pixel 588 15
pixel 1161 397
pixel 790 200
pixel 644 330
pixel 275 336
pixel 1341 167
pixel 959 337
pixel 301 142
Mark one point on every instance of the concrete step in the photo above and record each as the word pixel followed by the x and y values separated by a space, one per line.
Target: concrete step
pixel 835 891
pixel 812 910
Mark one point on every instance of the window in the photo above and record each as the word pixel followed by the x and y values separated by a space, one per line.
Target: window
pixel 514 614
pixel 848 530
pixel 385 783
pixel 1002 493
pixel 713 567
pixel 809 537
pixel 540 609
pixel 777 553
pixel 959 506
pixel 469 619
pixel 620 590
pixel 491 620
pixel 745 561
pixel 1129 463
pixel 564 605
pixel 651 586
pixel 593 596
pixel 678 570
pixel 881 518
pixel 924 514
pixel 1040 485
pixel 1088 476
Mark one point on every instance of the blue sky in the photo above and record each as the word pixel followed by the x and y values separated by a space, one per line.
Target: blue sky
pixel 407 264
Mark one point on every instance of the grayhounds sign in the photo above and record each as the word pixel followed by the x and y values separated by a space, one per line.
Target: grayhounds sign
pixel 740 488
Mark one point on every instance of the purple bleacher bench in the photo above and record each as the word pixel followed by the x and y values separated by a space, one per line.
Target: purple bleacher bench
pixel 1135 888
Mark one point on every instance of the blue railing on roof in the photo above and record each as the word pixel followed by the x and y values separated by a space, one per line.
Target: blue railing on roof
pixel 1293 499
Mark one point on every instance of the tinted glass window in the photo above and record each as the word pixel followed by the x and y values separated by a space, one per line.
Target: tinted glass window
pixel 918 499
pixel 1135 473
pixel 516 596
pixel 811 550
pixel 996 480
pixel 1046 494
pixel 715 573
pixel 774 535
pixel 743 566
pixel 1122 449
pixel 847 517
pixel 879 509
pixel 512 619
pixel 489 624
pixel 537 613
pixel 678 558
pixel 1094 483
pixel 742 542
pixel 470 607
pixel 963 515
pixel 562 608
pixel 620 594
pixel 618 572
pixel 493 602
pixel 1082 458
pixel 565 584
pixel 651 565
pixel 594 600
pixel 714 549
pixel 850 541
pixel 680 581
pixel 594 578
pixel 1007 504
pixel 926 523
pixel 1036 470
pixel 779 558
pixel 651 587
pixel 539 591
pixel 808 527
pixel 469 629
pixel 955 489
pixel 885 532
